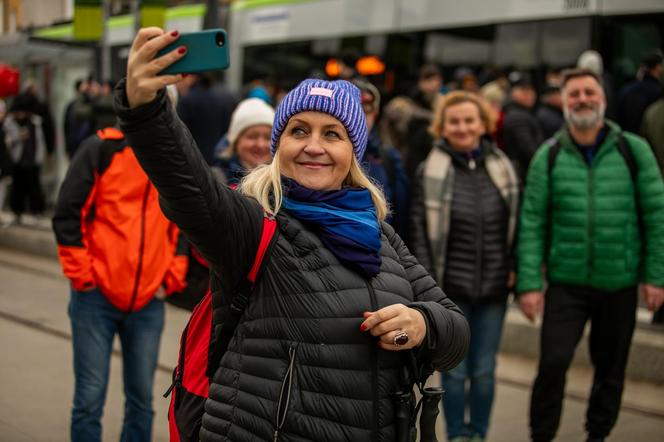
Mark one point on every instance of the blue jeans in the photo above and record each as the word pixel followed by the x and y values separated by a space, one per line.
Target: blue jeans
pixel 479 366
pixel 94 323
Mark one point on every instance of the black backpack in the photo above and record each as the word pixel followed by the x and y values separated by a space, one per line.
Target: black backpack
pixel 623 148
pixel 625 152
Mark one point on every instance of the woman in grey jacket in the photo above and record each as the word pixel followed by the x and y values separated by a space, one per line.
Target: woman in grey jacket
pixel 321 345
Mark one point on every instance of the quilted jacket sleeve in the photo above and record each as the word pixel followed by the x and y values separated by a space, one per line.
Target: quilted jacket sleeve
pixel 222 224
pixel 533 224
pixel 448 334
pixel 419 240
pixel 651 204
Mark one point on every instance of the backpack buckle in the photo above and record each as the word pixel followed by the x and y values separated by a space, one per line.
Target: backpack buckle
pixel 239 303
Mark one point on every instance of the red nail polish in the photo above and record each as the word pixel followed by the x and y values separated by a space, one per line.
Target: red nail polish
pixel 174 33
pixel 182 49
pixel 363 327
pixel 185 75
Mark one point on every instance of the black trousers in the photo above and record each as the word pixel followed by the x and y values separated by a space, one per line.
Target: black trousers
pixel 612 319
pixel 26 186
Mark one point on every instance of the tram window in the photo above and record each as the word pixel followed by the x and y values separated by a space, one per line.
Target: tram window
pixel 563 40
pixel 450 50
pixel 516 45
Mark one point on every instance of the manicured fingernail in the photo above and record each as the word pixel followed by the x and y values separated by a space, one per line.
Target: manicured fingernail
pixel 363 327
pixel 174 33
pixel 185 75
pixel 182 49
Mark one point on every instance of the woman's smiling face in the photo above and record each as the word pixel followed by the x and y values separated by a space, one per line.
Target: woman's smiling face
pixel 253 146
pixel 315 151
pixel 463 126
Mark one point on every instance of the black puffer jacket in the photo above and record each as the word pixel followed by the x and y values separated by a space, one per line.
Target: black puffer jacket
pixel 298 362
pixel 477 260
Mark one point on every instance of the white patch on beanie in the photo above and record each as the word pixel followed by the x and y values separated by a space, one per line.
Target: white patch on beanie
pixel 322 91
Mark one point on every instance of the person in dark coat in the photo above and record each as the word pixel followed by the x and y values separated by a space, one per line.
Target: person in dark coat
pixel 549 113
pixel 41 109
pixel 465 204
pixel 429 83
pixel 341 307
pixel 206 111
pixel 71 124
pixel 652 129
pixel 79 116
pixel 635 97
pixel 26 144
pixel 383 162
pixel 522 134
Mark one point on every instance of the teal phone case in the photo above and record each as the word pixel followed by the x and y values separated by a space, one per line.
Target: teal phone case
pixel 206 51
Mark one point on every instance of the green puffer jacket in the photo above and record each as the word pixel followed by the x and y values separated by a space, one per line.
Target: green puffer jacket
pixel 594 226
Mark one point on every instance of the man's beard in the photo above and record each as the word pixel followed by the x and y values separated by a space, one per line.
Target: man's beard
pixel 587 120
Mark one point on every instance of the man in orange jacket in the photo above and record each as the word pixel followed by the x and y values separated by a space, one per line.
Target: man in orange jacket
pixel 122 257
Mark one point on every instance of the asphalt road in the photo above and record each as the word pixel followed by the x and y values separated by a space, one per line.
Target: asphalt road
pixel 37 381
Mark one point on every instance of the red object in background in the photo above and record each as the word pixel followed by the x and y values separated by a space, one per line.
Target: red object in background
pixel 370 65
pixel 10 79
pixel 332 68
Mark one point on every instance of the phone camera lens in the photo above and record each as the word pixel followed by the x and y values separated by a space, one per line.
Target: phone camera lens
pixel 220 39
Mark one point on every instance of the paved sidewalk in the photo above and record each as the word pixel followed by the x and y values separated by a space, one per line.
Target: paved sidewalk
pixel 37 381
pixel 520 338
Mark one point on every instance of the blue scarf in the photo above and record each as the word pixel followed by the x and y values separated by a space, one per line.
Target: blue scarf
pixel 345 221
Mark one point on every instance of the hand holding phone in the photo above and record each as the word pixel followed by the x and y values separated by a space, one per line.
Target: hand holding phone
pixel 206 51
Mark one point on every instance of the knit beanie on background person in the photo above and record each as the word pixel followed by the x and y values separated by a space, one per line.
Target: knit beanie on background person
pixel 339 98
pixel 250 112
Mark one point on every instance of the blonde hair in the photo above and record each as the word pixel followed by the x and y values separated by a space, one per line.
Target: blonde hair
pixel 264 185
pixel 487 115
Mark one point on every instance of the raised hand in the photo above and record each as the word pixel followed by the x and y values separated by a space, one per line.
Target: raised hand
pixel 143 81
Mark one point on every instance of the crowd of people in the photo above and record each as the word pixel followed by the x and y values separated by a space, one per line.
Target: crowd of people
pixel 417 216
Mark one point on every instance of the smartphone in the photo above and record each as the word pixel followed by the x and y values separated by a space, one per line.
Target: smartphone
pixel 206 51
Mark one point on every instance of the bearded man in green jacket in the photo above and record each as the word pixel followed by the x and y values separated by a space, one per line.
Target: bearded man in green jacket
pixel 592 216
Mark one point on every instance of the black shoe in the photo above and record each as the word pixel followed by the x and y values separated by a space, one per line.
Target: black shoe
pixel 595 439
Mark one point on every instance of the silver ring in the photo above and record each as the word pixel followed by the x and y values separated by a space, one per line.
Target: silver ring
pixel 401 338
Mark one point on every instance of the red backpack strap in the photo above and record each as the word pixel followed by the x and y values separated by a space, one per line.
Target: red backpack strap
pixel 231 315
pixel 269 227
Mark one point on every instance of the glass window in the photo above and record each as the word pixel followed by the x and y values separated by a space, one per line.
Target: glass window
pixel 564 40
pixel 516 45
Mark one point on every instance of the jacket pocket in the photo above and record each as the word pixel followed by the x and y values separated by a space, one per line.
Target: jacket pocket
pixel 285 393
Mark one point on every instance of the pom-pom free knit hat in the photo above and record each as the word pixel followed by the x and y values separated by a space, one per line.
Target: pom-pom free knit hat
pixel 339 98
pixel 250 112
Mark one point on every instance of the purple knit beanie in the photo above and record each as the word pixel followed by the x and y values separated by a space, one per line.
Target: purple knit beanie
pixel 339 98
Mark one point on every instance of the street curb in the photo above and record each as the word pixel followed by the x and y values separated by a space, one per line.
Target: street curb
pixel 32 240
pixel 520 337
pixel 646 356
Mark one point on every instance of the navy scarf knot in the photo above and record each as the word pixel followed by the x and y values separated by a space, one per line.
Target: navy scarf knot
pixel 345 221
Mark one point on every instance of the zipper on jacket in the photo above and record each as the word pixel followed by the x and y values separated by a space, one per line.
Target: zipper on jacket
pixel 141 248
pixel 178 375
pixel 177 382
pixel 285 393
pixel 590 223
pixel 479 234
pixel 374 370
